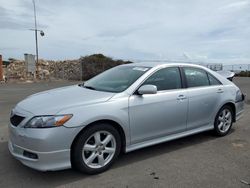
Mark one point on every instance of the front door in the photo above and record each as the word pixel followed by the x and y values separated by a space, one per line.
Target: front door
pixel 157 115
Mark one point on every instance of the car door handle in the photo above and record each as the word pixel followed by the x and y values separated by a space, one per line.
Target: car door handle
pixel 220 91
pixel 181 97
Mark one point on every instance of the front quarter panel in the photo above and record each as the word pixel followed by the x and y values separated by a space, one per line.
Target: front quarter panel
pixel 115 109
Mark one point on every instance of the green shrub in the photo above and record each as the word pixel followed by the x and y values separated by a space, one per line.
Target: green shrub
pixel 97 63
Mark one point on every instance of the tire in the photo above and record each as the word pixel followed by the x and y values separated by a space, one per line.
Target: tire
pixel 223 121
pixel 96 149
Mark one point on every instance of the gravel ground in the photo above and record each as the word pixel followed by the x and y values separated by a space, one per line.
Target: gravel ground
pixel 201 160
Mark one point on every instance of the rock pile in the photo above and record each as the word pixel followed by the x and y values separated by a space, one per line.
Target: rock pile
pixel 16 69
pixel 69 70
pixel 79 69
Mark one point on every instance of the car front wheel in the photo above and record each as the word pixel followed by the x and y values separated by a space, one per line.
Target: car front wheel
pixel 96 149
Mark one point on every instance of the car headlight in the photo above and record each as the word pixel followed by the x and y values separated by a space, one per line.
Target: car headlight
pixel 47 121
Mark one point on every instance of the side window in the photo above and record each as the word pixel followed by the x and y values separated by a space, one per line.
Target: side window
pixel 196 77
pixel 213 80
pixel 165 79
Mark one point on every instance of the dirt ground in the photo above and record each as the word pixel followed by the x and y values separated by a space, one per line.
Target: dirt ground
pixel 201 160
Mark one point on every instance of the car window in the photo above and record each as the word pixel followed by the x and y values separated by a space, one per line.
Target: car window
pixel 165 79
pixel 213 80
pixel 196 77
pixel 116 79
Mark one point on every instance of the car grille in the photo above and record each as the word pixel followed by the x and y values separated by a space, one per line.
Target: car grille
pixel 16 120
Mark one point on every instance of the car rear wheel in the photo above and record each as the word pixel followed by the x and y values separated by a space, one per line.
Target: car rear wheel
pixel 223 121
pixel 96 149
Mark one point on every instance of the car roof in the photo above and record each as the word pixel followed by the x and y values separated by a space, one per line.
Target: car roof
pixel 165 63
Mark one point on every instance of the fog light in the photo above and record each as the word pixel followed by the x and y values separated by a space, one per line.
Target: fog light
pixel 30 155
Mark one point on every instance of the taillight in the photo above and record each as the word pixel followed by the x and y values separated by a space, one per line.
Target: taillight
pixel 239 96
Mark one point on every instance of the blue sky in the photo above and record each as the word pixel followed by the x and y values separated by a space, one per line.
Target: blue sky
pixel 201 30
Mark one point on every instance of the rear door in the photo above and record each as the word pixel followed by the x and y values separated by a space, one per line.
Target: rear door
pixel 204 93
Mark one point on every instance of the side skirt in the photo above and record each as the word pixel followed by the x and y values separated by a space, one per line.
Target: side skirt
pixel 167 138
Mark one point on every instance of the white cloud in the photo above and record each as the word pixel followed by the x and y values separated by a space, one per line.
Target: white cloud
pixel 142 29
pixel 238 4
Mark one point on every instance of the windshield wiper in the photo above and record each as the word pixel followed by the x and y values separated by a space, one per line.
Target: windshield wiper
pixel 89 87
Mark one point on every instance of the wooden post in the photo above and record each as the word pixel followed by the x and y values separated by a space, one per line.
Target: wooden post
pixel 1 68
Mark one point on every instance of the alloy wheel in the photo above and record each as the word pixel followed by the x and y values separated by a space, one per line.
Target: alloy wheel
pixel 224 120
pixel 99 149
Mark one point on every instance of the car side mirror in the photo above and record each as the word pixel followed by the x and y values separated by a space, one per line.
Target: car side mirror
pixel 147 89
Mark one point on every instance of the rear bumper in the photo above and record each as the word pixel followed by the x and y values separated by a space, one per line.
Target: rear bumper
pixel 239 108
pixel 42 149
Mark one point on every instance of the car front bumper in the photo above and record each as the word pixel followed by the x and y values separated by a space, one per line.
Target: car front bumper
pixel 44 149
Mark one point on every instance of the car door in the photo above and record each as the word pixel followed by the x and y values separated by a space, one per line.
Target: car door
pixel 204 92
pixel 156 115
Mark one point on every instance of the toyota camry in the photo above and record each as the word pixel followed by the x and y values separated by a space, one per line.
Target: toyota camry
pixel 125 108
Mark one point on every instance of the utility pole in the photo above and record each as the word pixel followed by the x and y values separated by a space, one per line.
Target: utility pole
pixel 34 5
pixel 1 68
pixel 36 30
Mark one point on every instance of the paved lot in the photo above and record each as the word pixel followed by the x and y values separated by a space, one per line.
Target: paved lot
pixel 197 161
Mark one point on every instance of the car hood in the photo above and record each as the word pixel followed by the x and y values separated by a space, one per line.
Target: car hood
pixel 52 101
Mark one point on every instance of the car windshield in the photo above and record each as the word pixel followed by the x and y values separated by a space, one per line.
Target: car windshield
pixel 116 79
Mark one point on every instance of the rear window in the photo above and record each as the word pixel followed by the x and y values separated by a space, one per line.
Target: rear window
pixel 213 80
pixel 196 77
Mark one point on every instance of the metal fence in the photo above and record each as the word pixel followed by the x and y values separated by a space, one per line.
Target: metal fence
pixel 237 67
pixel 214 66
pixel 228 67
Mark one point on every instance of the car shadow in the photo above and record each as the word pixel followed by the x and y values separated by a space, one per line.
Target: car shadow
pixel 167 147
pixel 12 168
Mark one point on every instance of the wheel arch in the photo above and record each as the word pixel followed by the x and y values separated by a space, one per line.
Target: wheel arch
pixel 113 123
pixel 232 105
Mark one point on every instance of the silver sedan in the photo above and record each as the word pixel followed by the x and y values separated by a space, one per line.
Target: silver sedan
pixel 125 108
